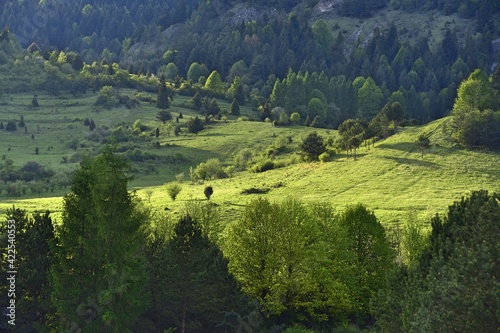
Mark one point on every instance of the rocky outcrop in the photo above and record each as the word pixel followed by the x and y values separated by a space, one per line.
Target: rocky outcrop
pixel 246 12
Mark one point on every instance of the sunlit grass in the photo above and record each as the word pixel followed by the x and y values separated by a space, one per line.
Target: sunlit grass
pixel 391 178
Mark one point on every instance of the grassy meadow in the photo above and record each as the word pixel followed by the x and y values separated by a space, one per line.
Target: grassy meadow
pixel 390 178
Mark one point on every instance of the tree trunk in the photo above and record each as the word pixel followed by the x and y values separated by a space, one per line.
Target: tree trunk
pixel 184 306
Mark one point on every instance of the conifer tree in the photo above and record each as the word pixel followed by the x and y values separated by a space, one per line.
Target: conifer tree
pixel 195 290
pixel 34 245
pixel 100 276
pixel 162 101
pixel 235 108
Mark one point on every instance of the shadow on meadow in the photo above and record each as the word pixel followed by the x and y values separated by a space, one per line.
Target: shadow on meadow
pixel 412 161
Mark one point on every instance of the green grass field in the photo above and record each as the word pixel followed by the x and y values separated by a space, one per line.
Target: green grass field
pixel 391 178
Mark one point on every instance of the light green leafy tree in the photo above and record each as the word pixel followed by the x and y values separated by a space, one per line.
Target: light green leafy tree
pixel 214 84
pixel 288 258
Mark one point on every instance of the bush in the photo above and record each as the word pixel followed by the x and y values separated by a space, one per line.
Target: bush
pixel 263 165
pixel 324 157
pixel 11 126
pixel 173 189
pixel 208 191
pixel 254 190
pixel 212 168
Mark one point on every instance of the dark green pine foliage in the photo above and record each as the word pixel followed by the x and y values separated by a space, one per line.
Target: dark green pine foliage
pixel 459 289
pixel 235 108
pixel 162 100
pixel 100 276
pixel 195 289
pixel 34 246
pixel 195 125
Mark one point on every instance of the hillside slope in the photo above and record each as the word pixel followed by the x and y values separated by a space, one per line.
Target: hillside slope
pixel 391 179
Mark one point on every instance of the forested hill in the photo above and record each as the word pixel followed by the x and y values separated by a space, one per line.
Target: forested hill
pixel 416 51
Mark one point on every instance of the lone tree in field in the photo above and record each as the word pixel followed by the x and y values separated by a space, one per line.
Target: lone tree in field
pixel 423 143
pixel 312 146
pixel 173 189
pixel 208 192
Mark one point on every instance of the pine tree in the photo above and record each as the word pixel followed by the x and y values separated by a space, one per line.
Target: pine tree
pixel 195 289
pixel 162 100
pixel 35 242
pixel 235 108
pixel 100 276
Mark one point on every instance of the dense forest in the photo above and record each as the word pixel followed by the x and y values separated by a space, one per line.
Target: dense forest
pixel 112 263
pixel 266 43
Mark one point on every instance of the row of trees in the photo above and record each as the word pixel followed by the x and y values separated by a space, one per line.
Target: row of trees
pixel 107 267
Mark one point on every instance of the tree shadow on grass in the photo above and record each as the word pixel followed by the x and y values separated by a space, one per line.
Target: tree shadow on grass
pixel 407 147
pixel 412 161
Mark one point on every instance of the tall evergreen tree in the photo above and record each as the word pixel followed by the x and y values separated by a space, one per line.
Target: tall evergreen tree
pixel 162 100
pixel 195 288
pixel 100 276
pixel 34 246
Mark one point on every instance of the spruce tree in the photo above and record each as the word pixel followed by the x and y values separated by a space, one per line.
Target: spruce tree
pixel 193 289
pixel 100 276
pixel 34 245
pixel 162 100
pixel 235 108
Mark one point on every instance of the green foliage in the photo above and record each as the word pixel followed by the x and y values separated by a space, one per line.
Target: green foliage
pixel 164 116
pixel 456 270
pixel 164 94
pixel 214 84
pixel 423 142
pixel 324 157
pixel 295 117
pixel 211 169
pixel 476 125
pixel 369 99
pixel 192 289
pixel 243 158
pixel 234 108
pixel 99 276
pixel 312 146
pixel 372 254
pixel 173 189
pixel 195 125
pixel 292 260
pixel 32 241
pixel 107 97
pixel 351 134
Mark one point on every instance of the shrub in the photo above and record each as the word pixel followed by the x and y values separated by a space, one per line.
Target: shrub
pixel 254 190
pixel 173 189
pixel 208 191
pixel 324 157
pixel 263 165
pixel 11 126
